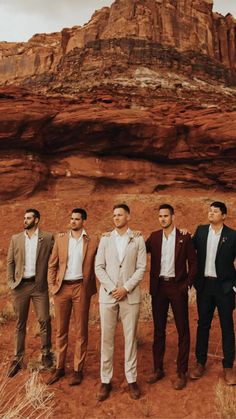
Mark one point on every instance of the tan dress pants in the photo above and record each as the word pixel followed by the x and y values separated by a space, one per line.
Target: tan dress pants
pixel 129 314
pixel 70 296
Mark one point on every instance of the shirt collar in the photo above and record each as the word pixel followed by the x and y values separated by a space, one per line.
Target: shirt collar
pixel 172 234
pixel 35 234
pixel 82 234
pixel 213 231
pixel 127 233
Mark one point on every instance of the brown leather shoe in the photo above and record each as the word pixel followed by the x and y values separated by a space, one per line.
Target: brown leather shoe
pixel 58 374
pixel 77 378
pixel 229 376
pixel 47 360
pixel 158 375
pixel 180 382
pixel 197 372
pixel 14 368
pixel 134 390
pixel 104 392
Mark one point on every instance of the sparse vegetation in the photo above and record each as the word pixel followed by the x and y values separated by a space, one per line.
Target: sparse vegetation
pixel 30 399
pixel 225 401
pixel 7 313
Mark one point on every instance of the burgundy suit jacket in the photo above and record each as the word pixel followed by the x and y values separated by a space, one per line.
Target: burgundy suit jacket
pixel 185 259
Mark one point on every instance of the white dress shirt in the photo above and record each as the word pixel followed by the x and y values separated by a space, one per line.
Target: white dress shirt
pixel 121 243
pixel 212 245
pixel 168 254
pixel 31 244
pixel 75 258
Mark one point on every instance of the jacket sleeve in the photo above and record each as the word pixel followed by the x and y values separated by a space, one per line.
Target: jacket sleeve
pixel 148 244
pixel 10 264
pixel 100 268
pixel 141 261
pixel 192 261
pixel 53 264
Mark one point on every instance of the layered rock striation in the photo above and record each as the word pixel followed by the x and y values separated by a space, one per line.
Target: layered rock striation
pixel 182 35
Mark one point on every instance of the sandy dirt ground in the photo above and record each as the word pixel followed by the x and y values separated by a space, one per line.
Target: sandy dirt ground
pixel 160 400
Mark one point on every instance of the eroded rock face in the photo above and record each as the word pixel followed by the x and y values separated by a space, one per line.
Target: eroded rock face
pixel 182 35
pixel 97 144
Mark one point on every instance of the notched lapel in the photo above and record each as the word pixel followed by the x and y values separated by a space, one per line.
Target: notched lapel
pixel 39 244
pixel 85 246
pixel 223 239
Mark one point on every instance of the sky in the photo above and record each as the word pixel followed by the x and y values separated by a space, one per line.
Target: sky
pixel 20 19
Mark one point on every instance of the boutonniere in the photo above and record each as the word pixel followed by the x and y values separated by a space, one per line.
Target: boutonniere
pixel 224 239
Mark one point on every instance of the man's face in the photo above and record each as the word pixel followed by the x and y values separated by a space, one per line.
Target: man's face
pixel 165 218
pixel 30 221
pixel 215 215
pixel 120 217
pixel 76 221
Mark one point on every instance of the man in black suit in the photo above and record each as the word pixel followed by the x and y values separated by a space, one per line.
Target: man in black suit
pixel 215 283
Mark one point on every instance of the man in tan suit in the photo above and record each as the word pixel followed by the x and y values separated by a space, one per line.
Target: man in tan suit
pixel 71 280
pixel 120 266
pixel 27 264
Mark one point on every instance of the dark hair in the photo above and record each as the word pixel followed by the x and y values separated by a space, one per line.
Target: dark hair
pixel 167 206
pixel 123 206
pixel 80 211
pixel 34 211
pixel 220 205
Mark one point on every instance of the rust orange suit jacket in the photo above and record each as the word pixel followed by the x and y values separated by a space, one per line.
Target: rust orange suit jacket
pixel 58 262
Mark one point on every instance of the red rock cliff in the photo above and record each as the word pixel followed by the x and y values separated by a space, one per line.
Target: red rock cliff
pixel 178 34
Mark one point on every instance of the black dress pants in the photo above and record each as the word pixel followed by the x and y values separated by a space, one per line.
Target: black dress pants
pixel 211 297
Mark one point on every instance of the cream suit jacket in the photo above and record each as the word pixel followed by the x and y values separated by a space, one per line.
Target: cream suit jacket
pixel 16 259
pixel 112 273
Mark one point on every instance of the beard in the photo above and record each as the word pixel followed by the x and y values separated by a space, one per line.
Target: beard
pixel 29 226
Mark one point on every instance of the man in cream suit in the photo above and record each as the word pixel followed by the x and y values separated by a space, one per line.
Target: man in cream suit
pixel 120 266
pixel 27 264
pixel 71 280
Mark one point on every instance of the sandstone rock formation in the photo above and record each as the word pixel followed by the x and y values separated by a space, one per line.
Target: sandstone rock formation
pixel 182 35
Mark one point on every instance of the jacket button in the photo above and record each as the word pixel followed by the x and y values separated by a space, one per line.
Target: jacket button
pixel 120 266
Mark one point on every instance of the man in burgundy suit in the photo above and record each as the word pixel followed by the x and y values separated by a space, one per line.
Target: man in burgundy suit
pixel 171 253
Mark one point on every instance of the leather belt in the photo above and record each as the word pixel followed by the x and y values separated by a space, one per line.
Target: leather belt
pixel 167 278
pixel 72 282
pixel 212 278
pixel 30 279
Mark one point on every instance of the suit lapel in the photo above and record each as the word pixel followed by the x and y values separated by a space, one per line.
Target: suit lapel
pixel 40 240
pixel 85 246
pixel 178 244
pixel 22 246
pixel 223 235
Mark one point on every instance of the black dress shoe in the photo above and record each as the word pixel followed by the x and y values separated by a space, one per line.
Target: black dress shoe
pixel 158 375
pixel 47 360
pixel 14 368
pixel 134 390
pixel 58 374
pixel 104 392
pixel 77 378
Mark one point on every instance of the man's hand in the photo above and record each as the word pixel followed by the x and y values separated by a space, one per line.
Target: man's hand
pixel 119 293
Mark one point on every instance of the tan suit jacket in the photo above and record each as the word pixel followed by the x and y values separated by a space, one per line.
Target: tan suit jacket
pixel 58 262
pixel 112 273
pixel 16 259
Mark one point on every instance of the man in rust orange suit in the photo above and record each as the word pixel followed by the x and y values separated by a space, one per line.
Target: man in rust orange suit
pixel 72 282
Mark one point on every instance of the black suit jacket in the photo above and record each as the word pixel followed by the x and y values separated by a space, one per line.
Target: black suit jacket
pixel 184 253
pixel 225 256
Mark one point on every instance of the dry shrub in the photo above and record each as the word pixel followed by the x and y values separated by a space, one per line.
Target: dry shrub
pixel 225 401
pixel 29 399
pixel 7 313
pixel 147 408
